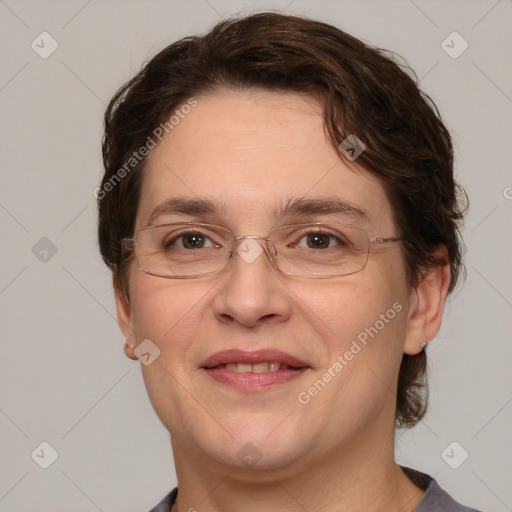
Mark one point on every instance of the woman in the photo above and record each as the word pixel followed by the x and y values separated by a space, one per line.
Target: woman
pixel 280 216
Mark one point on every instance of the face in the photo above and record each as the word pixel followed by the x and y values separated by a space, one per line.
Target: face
pixel 252 153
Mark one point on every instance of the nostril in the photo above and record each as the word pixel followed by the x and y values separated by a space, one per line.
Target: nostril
pixel 267 318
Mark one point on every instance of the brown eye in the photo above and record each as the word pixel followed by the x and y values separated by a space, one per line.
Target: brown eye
pixel 193 241
pixel 188 241
pixel 318 241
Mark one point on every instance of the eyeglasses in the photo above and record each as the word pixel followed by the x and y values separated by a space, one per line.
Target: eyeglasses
pixel 187 250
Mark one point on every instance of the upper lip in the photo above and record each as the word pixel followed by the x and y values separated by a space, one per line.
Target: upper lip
pixel 254 357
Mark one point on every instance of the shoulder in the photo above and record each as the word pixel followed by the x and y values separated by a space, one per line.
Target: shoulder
pixel 166 504
pixel 434 499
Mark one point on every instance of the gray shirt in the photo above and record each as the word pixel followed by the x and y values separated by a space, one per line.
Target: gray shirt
pixel 434 499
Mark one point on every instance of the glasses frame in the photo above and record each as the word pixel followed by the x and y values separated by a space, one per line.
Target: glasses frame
pixel 130 244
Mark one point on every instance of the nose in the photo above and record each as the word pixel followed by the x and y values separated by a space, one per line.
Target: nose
pixel 252 293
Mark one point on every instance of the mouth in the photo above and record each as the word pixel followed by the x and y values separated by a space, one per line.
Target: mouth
pixel 253 371
pixel 263 367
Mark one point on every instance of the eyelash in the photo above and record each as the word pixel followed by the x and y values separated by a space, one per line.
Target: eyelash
pixel 299 237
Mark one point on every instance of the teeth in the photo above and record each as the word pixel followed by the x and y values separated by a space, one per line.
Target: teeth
pixel 260 368
pixel 255 368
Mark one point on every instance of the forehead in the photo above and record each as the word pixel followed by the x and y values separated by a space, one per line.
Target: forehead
pixel 251 152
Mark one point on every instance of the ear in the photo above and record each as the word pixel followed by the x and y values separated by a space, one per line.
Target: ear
pixel 427 304
pixel 124 319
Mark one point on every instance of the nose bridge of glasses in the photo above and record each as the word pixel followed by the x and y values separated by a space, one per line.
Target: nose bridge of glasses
pixel 254 237
pixel 250 251
pixel 237 241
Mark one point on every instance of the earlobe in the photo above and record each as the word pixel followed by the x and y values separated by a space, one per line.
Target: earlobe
pixel 124 319
pixel 129 350
pixel 427 305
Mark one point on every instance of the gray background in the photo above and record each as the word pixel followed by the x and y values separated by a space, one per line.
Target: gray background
pixel 63 376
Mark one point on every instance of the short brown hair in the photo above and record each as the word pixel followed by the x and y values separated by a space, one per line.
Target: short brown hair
pixel 363 91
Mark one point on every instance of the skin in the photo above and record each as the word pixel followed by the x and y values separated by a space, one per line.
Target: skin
pixel 253 150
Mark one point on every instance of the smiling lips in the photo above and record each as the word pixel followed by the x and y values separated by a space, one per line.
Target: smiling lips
pixel 255 368
pixel 253 371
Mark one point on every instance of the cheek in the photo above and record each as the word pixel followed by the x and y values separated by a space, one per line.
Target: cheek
pixel 344 310
pixel 166 312
pixel 161 307
pixel 169 314
pixel 364 353
pixel 364 318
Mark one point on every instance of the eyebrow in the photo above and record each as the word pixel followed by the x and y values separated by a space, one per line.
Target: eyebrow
pixel 325 206
pixel 185 206
pixel 292 207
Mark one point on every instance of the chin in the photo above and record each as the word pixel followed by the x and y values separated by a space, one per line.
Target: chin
pixel 252 458
pixel 252 449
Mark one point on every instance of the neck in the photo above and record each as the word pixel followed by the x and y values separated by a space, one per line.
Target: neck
pixel 361 475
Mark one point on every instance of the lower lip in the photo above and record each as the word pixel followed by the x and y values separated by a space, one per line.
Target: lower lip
pixel 248 381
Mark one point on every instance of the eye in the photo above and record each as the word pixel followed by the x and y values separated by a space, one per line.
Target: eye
pixel 190 240
pixel 320 240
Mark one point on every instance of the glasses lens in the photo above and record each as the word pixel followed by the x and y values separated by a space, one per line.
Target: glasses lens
pixel 183 250
pixel 320 250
